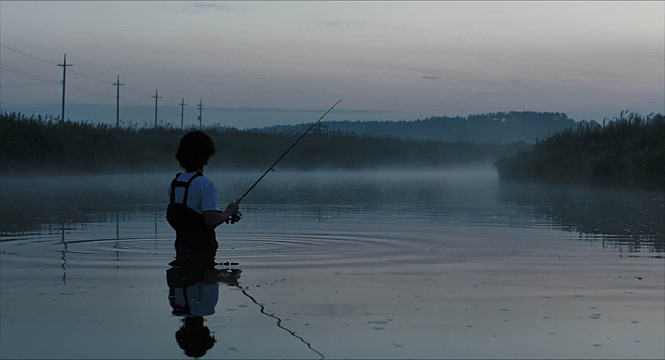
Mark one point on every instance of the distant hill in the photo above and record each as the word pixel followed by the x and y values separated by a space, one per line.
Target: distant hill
pixel 497 127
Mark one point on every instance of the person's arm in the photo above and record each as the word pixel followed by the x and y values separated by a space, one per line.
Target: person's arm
pixel 214 218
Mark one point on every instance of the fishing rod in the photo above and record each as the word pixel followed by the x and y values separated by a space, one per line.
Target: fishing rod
pixel 286 152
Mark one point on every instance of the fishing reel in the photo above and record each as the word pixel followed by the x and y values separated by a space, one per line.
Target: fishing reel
pixel 233 218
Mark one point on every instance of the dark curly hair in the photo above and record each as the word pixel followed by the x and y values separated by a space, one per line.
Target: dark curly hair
pixel 194 337
pixel 194 151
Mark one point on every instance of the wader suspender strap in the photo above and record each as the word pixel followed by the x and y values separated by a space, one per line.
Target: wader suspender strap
pixel 184 294
pixel 184 184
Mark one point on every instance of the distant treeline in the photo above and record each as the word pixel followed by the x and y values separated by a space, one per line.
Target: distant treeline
pixel 45 144
pixel 499 127
pixel 627 151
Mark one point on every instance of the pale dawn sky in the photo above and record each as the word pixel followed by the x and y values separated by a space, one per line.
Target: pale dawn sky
pixel 394 60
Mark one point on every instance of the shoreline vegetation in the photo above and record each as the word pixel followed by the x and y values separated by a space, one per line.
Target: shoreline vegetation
pixel 36 144
pixel 628 151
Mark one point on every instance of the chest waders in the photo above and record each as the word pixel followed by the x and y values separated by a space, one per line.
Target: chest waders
pixel 192 234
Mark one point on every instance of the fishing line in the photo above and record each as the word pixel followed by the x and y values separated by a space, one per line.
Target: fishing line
pixel 279 322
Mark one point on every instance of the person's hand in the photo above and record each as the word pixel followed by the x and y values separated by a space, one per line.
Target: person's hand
pixel 231 209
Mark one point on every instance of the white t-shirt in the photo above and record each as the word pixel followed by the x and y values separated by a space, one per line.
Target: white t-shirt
pixel 201 298
pixel 202 194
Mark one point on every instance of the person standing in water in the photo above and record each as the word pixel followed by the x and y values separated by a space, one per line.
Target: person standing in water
pixel 193 209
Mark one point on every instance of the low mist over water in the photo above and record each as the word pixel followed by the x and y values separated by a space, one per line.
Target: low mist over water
pixel 392 264
pixel 471 190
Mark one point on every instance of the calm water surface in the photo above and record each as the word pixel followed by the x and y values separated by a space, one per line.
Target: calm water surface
pixel 421 264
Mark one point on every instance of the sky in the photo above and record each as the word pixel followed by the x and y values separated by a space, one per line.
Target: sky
pixel 257 63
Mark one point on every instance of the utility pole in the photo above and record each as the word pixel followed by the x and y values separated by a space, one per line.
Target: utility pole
pixel 64 76
pixel 200 106
pixel 182 111
pixel 117 85
pixel 156 96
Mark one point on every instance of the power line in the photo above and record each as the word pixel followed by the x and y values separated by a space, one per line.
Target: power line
pixel 52 63
pixel 44 81
pixel 89 77
pixel 27 55
pixel 200 107
pixel 137 92
pixel 19 72
pixel 156 96
pixel 117 85
pixel 18 86
pixel 84 90
pixel 51 81
pixel 132 102
pixel 182 110
pixel 93 78
pixel 170 101
pixel 64 73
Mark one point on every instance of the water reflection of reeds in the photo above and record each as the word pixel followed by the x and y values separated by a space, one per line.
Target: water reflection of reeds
pixel 630 220
pixel 32 203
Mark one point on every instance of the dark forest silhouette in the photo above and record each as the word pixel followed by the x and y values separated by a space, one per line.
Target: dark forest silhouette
pixel 37 144
pixel 499 127
pixel 627 151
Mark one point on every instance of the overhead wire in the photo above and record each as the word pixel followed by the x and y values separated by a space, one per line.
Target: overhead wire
pixel 83 89
pixel 27 55
pixel 20 72
pixel 136 92
pixel 76 87
pixel 90 77
pixel 25 85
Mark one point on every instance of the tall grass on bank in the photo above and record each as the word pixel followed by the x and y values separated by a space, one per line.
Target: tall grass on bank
pixel 36 144
pixel 627 151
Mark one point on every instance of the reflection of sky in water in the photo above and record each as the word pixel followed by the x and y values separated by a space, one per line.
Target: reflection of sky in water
pixel 431 264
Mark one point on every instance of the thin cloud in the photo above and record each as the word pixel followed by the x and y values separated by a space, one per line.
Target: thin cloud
pixel 338 23
pixel 202 7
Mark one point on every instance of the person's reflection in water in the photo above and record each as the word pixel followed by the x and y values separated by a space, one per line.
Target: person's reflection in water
pixel 193 293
